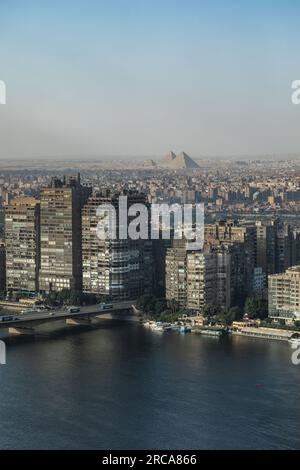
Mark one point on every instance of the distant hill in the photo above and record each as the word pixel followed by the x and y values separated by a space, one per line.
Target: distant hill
pixel 177 162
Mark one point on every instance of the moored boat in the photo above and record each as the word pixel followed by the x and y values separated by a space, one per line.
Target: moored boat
pixel 184 329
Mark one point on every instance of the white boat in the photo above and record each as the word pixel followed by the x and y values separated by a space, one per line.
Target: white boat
pixel 185 329
pixel 148 324
pixel 157 327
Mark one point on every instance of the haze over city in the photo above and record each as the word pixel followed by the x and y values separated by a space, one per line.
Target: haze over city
pixel 137 78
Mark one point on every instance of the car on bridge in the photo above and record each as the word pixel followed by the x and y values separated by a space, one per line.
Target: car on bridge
pixel 106 306
pixel 74 309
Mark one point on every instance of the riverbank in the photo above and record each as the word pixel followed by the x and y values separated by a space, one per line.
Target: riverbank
pixel 218 331
pixel 267 333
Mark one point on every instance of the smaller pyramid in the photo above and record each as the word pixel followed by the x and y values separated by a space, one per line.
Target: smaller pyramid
pixel 168 158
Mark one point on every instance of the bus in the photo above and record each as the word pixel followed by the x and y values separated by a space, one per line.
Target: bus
pixel 6 318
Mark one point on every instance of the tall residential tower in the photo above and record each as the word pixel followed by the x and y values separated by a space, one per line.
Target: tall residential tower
pixel 22 219
pixel 61 252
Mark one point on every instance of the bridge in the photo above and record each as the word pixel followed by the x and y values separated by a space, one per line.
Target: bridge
pixel 26 322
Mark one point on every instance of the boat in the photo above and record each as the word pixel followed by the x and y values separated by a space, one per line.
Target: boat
pixel 149 324
pixel 184 329
pixel 216 332
pixel 157 327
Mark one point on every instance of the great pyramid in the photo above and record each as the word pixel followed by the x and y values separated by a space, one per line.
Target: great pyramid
pixel 177 162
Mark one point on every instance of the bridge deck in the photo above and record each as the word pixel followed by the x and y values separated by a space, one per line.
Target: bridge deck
pixel 27 319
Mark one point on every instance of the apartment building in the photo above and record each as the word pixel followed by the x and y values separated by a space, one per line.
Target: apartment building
pixel 208 279
pixel 2 267
pixel 22 240
pixel 119 268
pixel 61 250
pixel 176 273
pixel 284 295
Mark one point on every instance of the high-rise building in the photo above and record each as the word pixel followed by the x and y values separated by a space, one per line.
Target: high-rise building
pixel 265 246
pixel 233 231
pixel 284 295
pixel 22 240
pixel 208 278
pixel 201 279
pixel 284 247
pixel 221 274
pixel 295 247
pixel 259 282
pixel 61 242
pixel 119 268
pixel 2 267
pixel 274 246
pixel 239 241
pixel 160 248
pixel 176 279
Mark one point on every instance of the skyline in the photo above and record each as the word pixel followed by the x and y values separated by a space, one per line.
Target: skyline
pixel 138 78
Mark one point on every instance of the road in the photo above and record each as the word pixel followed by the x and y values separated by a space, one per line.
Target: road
pixel 54 315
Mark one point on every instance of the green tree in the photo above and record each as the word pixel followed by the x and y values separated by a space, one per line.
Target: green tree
pixel 256 308
pixel 172 305
pixel 160 306
pixel 210 310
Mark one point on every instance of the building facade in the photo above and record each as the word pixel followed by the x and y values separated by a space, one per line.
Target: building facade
pixel 2 267
pixel 176 273
pixel 118 268
pixel 201 280
pixel 61 238
pixel 284 295
pixel 22 240
pixel 208 279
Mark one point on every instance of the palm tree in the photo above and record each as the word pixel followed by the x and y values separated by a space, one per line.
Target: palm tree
pixel 172 305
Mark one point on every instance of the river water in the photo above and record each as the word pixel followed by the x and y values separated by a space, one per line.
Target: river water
pixel 120 386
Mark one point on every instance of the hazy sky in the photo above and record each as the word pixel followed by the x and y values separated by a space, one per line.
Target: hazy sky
pixel 140 77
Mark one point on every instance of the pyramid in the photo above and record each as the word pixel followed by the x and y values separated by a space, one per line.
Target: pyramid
pixel 182 160
pixel 168 158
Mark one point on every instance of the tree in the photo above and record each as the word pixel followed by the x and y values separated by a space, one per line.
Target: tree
pixel 256 308
pixel 227 316
pixel 210 310
pixel 172 305
pixel 160 306
pixel 236 313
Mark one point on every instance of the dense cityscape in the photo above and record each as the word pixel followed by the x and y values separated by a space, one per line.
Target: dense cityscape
pixel 246 275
